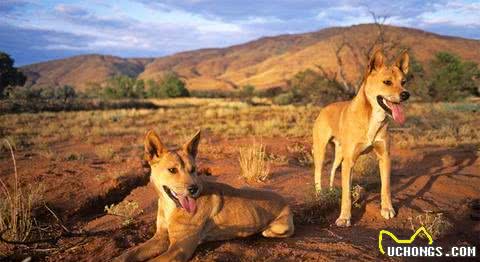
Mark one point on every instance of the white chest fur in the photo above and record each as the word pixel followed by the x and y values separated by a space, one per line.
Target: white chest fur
pixel 377 120
pixel 168 207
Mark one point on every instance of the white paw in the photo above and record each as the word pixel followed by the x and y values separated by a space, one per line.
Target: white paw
pixel 343 222
pixel 388 213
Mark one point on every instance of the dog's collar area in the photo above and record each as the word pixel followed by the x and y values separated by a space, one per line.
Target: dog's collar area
pixel 387 109
pixel 172 196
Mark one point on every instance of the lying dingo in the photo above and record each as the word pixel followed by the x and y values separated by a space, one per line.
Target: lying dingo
pixel 358 125
pixel 192 211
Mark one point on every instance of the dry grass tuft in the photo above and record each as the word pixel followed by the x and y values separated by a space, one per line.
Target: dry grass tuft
pixel 126 210
pixel 436 224
pixel 16 205
pixel 253 163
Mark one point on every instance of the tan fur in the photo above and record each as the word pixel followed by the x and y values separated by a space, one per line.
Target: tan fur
pixel 223 212
pixel 356 126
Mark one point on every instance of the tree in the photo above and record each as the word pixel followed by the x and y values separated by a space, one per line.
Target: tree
pixel 174 86
pixel 65 92
pixel 169 86
pixel 124 87
pixel 452 78
pixel 417 79
pixel 9 75
pixel 312 86
pixel 154 89
pixel 248 90
pixel 22 92
pixel 347 44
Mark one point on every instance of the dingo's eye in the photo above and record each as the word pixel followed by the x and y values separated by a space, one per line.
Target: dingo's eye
pixel 173 170
pixel 403 82
pixel 387 82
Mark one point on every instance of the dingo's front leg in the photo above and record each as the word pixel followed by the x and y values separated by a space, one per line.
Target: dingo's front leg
pixel 182 246
pixel 152 248
pixel 381 149
pixel 346 208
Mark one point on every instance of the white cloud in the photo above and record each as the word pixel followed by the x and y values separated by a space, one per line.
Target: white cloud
pixel 344 15
pixel 147 28
pixel 70 10
pixel 458 13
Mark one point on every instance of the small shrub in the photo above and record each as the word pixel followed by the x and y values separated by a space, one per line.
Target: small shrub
pixel 358 193
pixel 269 92
pixel 284 99
pixel 105 152
pixel 211 94
pixel 253 163
pixel 435 223
pixel 278 159
pixel 61 93
pixel 74 157
pixel 126 209
pixel 310 86
pixel 22 93
pixel 124 87
pixel 452 78
pixel 318 206
pixel 330 198
pixel 302 156
pixel 48 154
pixel 247 91
pixel 366 169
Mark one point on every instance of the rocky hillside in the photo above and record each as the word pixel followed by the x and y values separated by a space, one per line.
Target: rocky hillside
pixel 265 62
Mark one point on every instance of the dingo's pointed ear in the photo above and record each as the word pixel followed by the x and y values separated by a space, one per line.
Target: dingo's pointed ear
pixel 191 147
pixel 402 62
pixel 377 61
pixel 153 146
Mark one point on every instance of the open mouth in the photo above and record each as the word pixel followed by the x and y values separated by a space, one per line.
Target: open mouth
pixel 171 195
pixel 182 201
pixel 393 109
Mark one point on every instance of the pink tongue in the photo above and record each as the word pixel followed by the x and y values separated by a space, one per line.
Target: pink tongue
pixel 188 204
pixel 397 112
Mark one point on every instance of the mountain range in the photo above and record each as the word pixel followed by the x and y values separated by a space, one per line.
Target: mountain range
pixel 266 62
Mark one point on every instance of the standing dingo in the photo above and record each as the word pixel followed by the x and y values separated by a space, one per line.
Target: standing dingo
pixel 359 125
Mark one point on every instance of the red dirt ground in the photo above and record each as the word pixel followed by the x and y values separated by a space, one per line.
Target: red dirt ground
pixel 423 179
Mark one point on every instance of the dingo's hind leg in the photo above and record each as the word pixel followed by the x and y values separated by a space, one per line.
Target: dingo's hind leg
pixel 321 137
pixel 282 226
pixel 336 162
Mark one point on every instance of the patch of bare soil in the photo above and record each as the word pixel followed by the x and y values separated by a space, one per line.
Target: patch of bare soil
pixel 442 180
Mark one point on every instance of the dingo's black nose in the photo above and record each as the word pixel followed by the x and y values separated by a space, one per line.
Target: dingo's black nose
pixel 404 95
pixel 193 189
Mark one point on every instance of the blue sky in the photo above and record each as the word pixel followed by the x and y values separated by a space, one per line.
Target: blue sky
pixel 34 30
